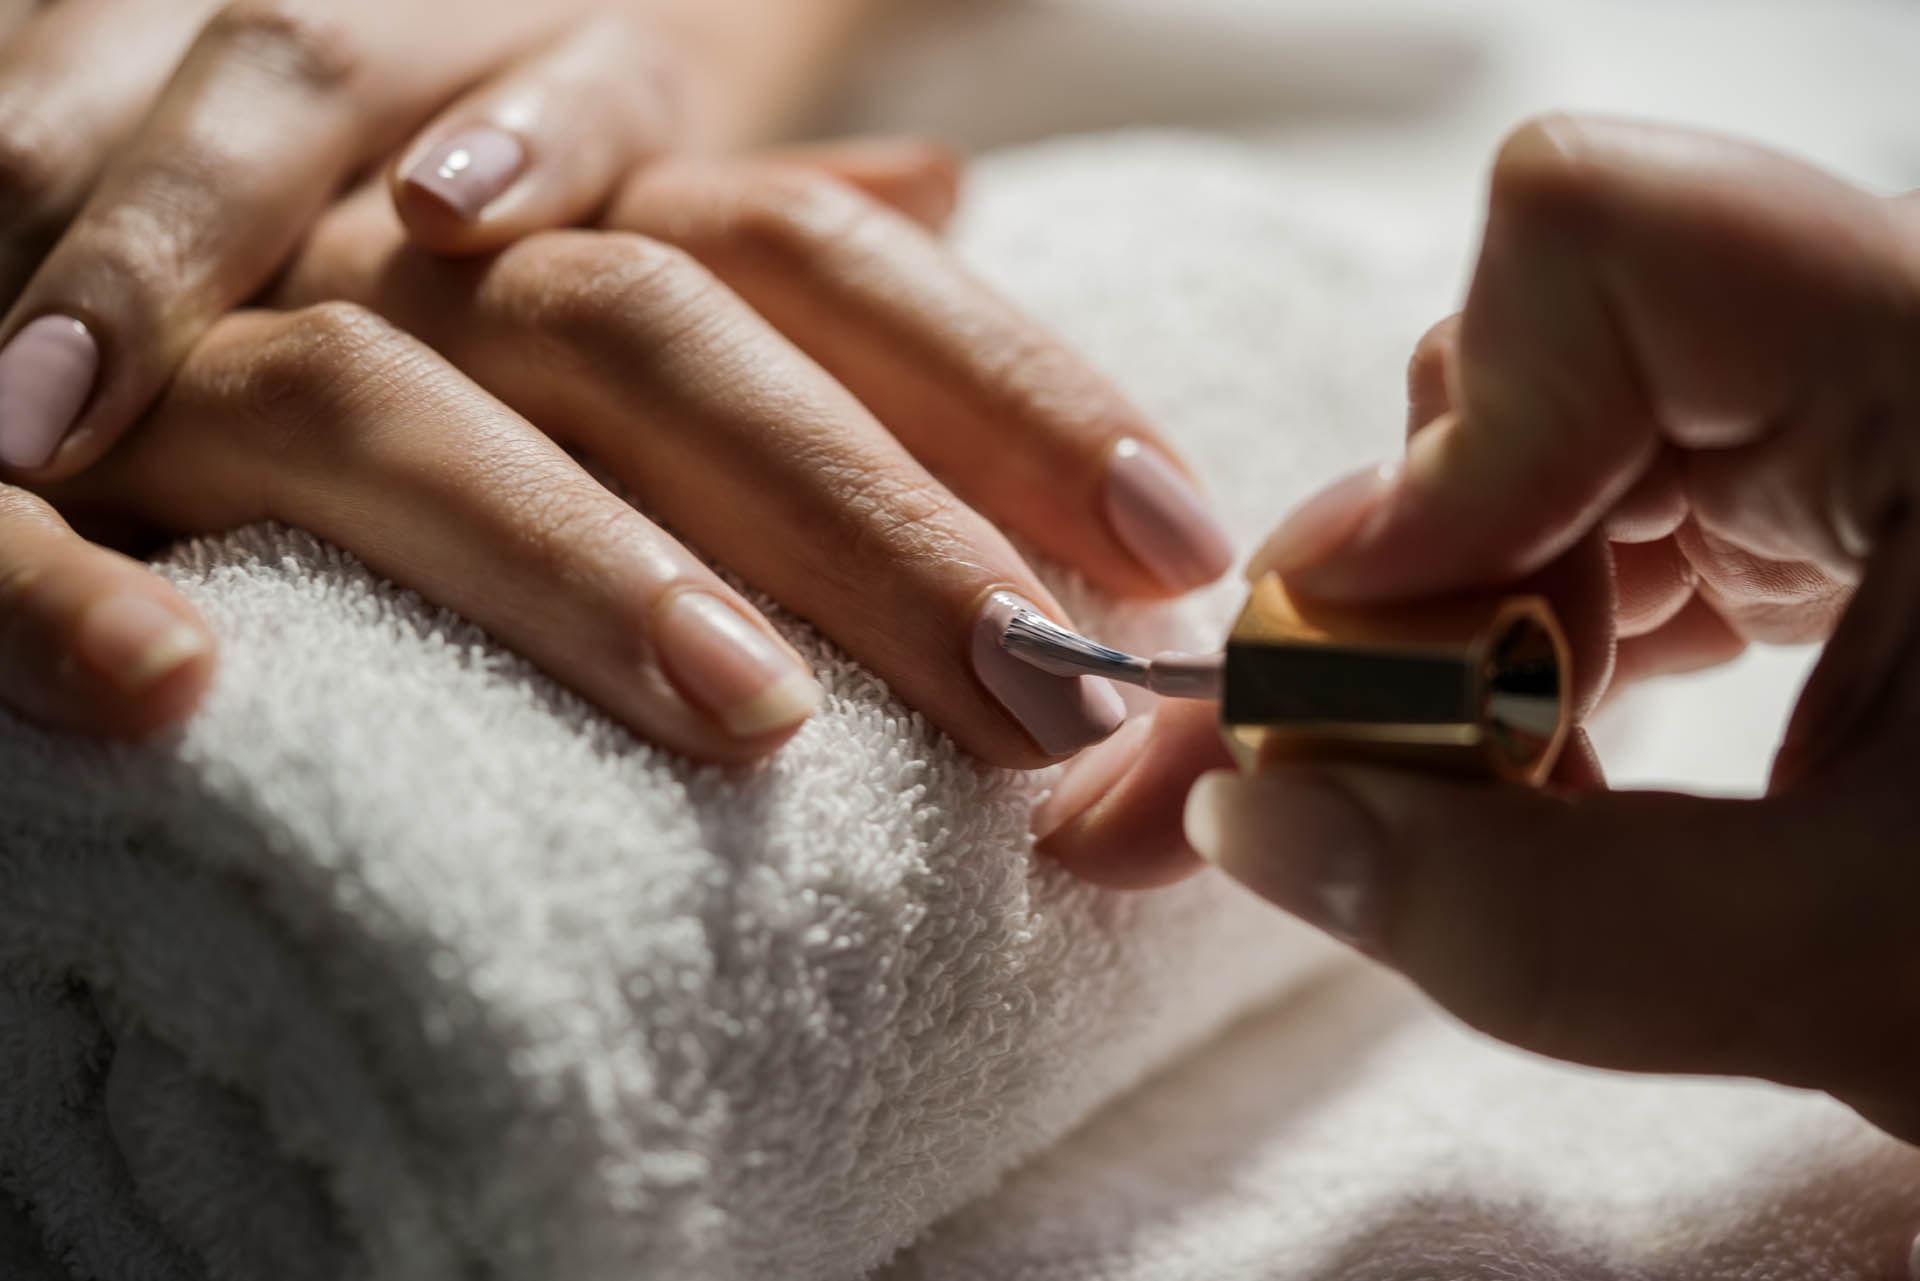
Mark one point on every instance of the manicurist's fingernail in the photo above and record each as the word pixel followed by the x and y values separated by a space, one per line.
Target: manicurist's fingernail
pixel 1300 843
pixel 1160 516
pixel 730 668
pixel 46 375
pixel 470 170
pixel 1060 713
pixel 136 643
pixel 1325 522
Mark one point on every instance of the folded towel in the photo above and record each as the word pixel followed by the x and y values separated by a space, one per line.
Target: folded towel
pixel 1354 1135
pixel 401 963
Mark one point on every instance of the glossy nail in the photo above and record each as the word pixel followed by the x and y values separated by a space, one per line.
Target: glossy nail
pixel 136 642
pixel 470 170
pixel 1324 523
pixel 46 375
pixel 1090 776
pixel 1159 515
pixel 1296 841
pixel 1061 714
pixel 731 669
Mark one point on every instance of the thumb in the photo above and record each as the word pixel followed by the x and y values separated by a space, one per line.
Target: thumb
pixel 1640 931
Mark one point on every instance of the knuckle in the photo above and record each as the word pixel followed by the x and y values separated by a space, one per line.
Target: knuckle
pixel 584 290
pixel 798 215
pixel 884 522
pixel 302 381
pixel 298 40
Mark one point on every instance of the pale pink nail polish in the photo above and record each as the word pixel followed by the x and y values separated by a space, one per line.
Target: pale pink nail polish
pixel 46 375
pixel 1325 522
pixel 470 170
pixel 731 669
pixel 136 642
pixel 1061 714
pixel 1161 518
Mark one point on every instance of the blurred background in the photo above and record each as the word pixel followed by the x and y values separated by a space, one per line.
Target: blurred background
pixel 1402 102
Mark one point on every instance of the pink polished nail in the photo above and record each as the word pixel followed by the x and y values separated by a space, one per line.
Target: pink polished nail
pixel 46 375
pixel 1061 714
pixel 1161 518
pixel 1325 522
pixel 470 170
pixel 730 668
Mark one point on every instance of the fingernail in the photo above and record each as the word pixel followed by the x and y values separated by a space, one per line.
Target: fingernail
pixel 1062 714
pixel 1089 776
pixel 468 171
pixel 730 668
pixel 1325 522
pixel 46 375
pixel 136 643
pixel 1913 1260
pixel 1162 519
pixel 1301 844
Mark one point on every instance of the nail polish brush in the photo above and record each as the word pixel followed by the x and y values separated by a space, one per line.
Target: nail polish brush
pixel 1473 685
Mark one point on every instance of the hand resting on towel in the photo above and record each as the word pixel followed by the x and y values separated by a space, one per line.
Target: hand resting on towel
pixel 766 354
pixel 1692 360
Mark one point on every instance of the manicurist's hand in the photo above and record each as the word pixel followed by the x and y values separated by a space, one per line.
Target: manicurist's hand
pixel 159 159
pixel 774 356
pixel 1699 359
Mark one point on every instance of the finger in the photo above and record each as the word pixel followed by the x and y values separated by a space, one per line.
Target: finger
pixel 1694 638
pixel 90 641
pixel 67 97
pixel 1636 287
pixel 1652 583
pixel 542 145
pixel 1633 930
pixel 273 105
pixel 914 176
pixel 332 421
pixel 1431 372
pixel 1001 411
pixel 629 351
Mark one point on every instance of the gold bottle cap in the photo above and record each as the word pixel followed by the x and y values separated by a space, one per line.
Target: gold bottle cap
pixel 1475 685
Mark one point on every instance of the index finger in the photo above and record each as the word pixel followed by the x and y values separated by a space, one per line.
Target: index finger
pixel 1637 288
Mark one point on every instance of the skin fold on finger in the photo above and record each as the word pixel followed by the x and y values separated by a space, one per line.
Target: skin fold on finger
pixel 331 420
pixel 275 103
pixel 90 641
pixel 1651 583
pixel 1001 411
pixel 67 97
pixel 629 351
pixel 544 144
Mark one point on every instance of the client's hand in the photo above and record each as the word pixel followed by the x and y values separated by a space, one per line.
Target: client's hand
pixel 1703 356
pixel 159 159
pixel 772 361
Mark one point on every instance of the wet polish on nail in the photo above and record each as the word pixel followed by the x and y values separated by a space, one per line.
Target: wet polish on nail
pixel 1160 516
pixel 1061 714
pixel 730 668
pixel 1325 522
pixel 470 170
pixel 46 374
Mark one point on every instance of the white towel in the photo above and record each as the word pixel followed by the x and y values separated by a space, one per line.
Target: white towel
pixel 402 964
pixel 1354 1135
